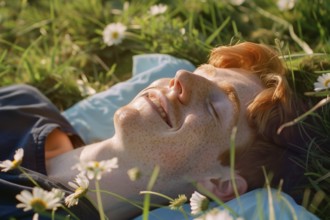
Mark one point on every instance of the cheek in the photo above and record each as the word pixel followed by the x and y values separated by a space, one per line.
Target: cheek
pixel 206 132
pixel 196 145
pixel 186 151
pixel 135 126
pixel 245 134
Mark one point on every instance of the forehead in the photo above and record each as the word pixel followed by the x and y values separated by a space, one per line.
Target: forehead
pixel 240 79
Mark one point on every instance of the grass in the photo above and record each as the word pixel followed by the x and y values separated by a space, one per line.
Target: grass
pixel 52 44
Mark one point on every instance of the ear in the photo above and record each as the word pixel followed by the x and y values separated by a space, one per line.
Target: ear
pixel 224 188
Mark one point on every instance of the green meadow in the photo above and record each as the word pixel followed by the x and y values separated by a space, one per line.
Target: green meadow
pixel 59 47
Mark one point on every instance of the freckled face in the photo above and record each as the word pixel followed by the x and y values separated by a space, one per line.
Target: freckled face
pixel 183 124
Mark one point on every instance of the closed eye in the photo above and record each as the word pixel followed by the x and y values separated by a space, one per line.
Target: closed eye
pixel 213 110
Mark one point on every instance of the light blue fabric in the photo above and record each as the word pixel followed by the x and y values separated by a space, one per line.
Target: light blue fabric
pixel 253 205
pixel 93 117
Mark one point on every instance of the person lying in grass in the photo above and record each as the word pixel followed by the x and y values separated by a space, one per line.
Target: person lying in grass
pixel 186 125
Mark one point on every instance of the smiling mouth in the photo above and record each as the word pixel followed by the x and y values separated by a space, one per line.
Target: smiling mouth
pixel 159 108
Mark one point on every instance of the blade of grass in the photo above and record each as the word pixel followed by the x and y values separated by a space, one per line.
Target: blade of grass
pixel 270 196
pixel 146 202
pixel 217 31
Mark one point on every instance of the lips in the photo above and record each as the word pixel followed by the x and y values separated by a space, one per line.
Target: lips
pixel 158 104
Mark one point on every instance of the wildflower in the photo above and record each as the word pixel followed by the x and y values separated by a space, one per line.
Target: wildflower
pixel 39 200
pixel 216 214
pixel 323 82
pixel 113 34
pixel 81 188
pixel 35 216
pixel 157 9
pixel 178 202
pixel 10 165
pixel 95 169
pixel 84 88
pixel 237 2
pixel 134 173
pixel 198 203
pixel 286 4
pixel 183 31
pixel 58 193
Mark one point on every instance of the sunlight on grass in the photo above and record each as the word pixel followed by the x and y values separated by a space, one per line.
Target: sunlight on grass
pixel 54 45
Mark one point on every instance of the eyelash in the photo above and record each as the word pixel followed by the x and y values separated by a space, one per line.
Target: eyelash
pixel 213 110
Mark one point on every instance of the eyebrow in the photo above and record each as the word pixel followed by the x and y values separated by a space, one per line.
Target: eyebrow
pixel 231 93
pixel 206 69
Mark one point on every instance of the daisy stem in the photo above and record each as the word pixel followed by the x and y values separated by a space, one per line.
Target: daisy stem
pixel 52 215
pixel 28 176
pixel 157 194
pixel 91 200
pixel 99 200
pixel 118 197
pixel 68 211
pixel 183 213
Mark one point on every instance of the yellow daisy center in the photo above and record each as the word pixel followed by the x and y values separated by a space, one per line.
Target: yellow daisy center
pixel 115 35
pixel 16 163
pixel 327 83
pixel 204 204
pixel 96 164
pixel 178 202
pixel 38 205
pixel 80 192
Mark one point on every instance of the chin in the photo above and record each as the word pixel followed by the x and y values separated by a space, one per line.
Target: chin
pixel 129 126
pixel 124 119
pixel 125 115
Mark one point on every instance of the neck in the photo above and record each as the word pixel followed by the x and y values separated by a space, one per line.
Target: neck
pixel 117 181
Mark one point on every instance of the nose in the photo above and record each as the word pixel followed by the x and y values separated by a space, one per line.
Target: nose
pixel 181 86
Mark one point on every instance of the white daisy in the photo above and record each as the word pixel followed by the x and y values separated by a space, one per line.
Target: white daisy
pixel 134 173
pixel 178 202
pixel 95 169
pixel 114 33
pixel 286 4
pixel 84 88
pixel 39 200
pixel 216 214
pixel 35 216
pixel 10 165
pixel 58 193
pixel 198 203
pixel 81 188
pixel 323 82
pixel 157 9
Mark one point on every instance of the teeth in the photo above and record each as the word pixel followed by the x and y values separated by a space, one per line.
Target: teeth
pixel 159 107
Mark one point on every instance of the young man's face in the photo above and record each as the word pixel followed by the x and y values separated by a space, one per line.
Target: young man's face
pixel 183 124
